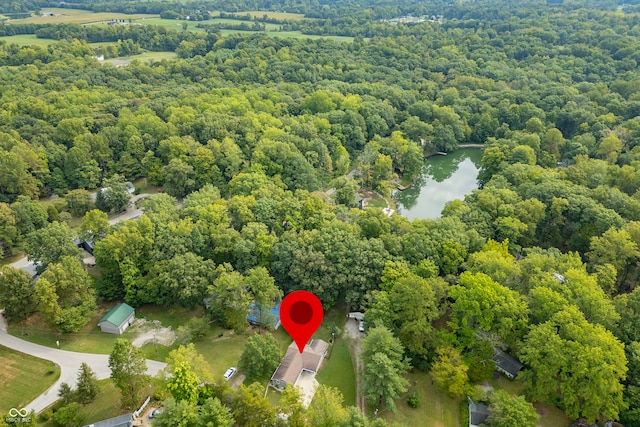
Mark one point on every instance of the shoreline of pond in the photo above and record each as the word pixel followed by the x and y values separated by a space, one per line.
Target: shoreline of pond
pixel 435 172
pixel 401 187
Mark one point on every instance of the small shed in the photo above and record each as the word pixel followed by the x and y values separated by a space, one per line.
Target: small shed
pixel 118 319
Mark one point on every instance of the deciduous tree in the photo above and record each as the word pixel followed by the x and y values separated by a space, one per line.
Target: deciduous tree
pixel 508 411
pixel 326 409
pixel 128 369
pixel 384 365
pixel 50 244
pixel 261 356
pixel 65 295
pixel 16 293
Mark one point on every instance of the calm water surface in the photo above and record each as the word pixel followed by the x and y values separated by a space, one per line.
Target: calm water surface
pixel 443 178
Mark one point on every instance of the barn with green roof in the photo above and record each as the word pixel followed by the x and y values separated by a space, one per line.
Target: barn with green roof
pixel 118 319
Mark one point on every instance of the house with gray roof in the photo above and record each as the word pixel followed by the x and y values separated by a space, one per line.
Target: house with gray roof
pixel 506 364
pixel 478 413
pixel 120 421
pixel 118 319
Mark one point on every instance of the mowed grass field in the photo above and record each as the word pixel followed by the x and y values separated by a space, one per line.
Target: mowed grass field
pixel 27 40
pixel 337 371
pixel 88 340
pixel 23 378
pixel 31 39
pixel 77 16
pixel 436 408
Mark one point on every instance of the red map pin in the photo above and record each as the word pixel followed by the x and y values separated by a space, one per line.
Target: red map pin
pixel 301 315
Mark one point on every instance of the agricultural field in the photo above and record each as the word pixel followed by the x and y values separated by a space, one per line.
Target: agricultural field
pixel 27 40
pixel 31 40
pixel 66 16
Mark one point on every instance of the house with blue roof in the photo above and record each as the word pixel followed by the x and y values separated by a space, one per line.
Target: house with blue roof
pixel 267 318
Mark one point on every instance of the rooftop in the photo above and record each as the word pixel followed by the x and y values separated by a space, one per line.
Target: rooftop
pixel 294 362
pixel 117 314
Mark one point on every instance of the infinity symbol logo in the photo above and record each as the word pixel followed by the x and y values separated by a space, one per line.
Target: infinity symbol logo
pixel 13 412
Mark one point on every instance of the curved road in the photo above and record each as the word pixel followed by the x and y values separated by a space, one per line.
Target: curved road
pixel 69 361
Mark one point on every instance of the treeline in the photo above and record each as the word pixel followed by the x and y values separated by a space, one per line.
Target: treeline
pixel 249 129
pixel 150 37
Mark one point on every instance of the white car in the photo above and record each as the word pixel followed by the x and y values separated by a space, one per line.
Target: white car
pixel 155 413
pixel 230 372
pixel 361 326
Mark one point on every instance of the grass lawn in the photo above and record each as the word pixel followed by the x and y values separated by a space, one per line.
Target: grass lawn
pixel 27 40
pixel 436 408
pixel 105 405
pixel 23 378
pixel 337 371
pixel 76 16
pixel 221 353
pixel 91 340
pixel 88 340
pixel 376 202
pixel 274 397
pixel 169 316
pixel 143 185
pixel 337 315
pixel 173 24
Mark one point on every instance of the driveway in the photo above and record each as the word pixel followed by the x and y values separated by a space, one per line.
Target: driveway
pixel 69 362
pixel 130 213
pixel 354 336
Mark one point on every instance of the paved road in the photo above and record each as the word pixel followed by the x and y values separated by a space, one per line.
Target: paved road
pixel 130 213
pixel 69 362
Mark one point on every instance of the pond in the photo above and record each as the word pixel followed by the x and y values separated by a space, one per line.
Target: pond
pixel 443 178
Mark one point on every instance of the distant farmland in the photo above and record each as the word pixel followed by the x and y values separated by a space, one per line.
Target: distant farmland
pixel 68 16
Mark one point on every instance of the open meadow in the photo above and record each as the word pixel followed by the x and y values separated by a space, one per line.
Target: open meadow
pixel 67 16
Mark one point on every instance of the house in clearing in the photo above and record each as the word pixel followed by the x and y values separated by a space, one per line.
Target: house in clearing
pixel 478 413
pixel 506 364
pixel 294 363
pixel 118 319
pixel 267 317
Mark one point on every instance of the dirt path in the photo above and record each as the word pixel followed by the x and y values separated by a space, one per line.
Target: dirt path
pixel 354 338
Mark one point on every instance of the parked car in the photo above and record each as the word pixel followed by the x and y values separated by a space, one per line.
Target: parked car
pixel 229 373
pixel 155 413
pixel 361 326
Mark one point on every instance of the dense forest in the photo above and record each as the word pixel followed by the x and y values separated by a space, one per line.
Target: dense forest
pixel 249 131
